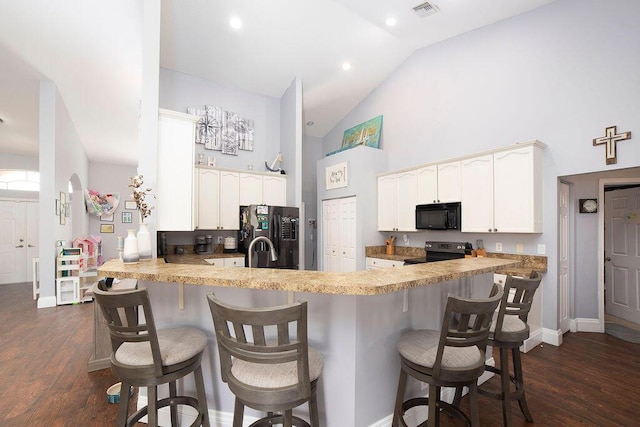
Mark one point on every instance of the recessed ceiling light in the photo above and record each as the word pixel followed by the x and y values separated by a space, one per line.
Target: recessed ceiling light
pixel 309 123
pixel 236 23
pixel 391 22
pixel 346 66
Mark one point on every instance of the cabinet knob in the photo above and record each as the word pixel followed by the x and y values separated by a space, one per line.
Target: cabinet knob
pixel 30 246
pixel 495 229
pixel 21 246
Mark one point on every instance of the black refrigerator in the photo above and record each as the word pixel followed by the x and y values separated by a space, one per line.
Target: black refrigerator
pixel 280 224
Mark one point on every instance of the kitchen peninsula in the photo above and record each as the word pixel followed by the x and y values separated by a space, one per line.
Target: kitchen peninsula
pixel 354 320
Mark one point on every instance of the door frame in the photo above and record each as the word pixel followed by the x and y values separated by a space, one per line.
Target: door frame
pixel 602 183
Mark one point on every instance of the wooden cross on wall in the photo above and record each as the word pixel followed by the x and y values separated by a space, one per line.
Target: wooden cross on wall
pixel 610 138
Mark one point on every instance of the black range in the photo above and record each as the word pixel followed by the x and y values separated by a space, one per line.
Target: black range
pixel 442 251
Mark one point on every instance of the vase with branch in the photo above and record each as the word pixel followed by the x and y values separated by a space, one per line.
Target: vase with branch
pixel 144 210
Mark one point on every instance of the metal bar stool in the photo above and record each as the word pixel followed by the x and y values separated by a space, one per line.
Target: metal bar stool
pixel 451 357
pixel 265 365
pixel 508 332
pixel 145 357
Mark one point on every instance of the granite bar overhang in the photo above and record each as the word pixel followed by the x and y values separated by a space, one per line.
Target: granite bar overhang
pixel 368 282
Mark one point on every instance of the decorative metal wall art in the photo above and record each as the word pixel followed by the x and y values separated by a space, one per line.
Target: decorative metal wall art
pixel 610 138
pixel 223 130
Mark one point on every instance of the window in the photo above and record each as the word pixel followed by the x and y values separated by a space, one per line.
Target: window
pixel 19 180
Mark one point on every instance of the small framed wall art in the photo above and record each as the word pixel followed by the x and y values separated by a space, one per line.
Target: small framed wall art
pixel 588 205
pixel 106 228
pixel 130 205
pixel 127 217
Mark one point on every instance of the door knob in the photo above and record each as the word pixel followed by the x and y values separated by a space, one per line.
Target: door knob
pixel 608 258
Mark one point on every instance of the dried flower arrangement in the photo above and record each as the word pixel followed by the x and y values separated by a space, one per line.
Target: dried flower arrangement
pixel 139 194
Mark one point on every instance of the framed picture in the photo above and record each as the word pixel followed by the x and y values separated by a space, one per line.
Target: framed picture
pixel 63 204
pixel 126 217
pixel 106 218
pixel 106 228
pixel 67 209
pixel 130 205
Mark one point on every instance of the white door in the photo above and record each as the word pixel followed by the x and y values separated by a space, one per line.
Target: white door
pixel 387 206
pixel 476 179
pixel 274 190
pixel 622 257
pixel 13 242
pixel 348 234
pixel 563 258
pixel 449 182
pixel 330 235
pixel 229 203
pixel 406 196
pixel 250 189
pixel 428 184
pixel 208 199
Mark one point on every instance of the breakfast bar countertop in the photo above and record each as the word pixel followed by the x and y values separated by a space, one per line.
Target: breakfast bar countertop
pixel 367 282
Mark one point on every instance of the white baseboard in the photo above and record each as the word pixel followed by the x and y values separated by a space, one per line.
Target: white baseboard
pixel 535 338
pixel 553 337
pixel 586 325
pixel 47 302
pixel 418 414
pixel 187 415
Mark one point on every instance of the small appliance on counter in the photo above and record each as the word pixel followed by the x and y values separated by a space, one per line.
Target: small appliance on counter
pixel 442 251
pixel 201 245
pixel 230 245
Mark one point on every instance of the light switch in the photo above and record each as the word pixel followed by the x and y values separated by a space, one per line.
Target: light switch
pixel 498 247
pixel 519 248
pixel 542 249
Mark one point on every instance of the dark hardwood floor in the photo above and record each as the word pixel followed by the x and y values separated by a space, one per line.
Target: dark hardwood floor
pixel 590 380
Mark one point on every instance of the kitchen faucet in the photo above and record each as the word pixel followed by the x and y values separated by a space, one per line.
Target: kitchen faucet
pixel 272 250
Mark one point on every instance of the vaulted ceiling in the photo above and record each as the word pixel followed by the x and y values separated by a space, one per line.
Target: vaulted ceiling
pixel 92 51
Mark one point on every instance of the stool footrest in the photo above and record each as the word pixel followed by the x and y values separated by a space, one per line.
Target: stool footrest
pixel 177 400
pixel 270 420
pixel 498 395
pixel 443 406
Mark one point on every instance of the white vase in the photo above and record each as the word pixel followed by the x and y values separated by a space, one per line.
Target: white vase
pixel 130 253
pixel 144 242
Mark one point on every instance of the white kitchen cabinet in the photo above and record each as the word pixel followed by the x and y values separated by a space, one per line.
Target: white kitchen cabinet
pixel 274 188
pixel 339 235
pixel 502 191
pixel 397 195
pixel 268 189
pixel 234 262
pixel 174 193
pixel 375 263
pixel 439 183
pixel 217 199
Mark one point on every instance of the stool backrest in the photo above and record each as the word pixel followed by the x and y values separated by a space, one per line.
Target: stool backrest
pixel 262 336
pixel 471 328
pixel 120 310
pixel 516 301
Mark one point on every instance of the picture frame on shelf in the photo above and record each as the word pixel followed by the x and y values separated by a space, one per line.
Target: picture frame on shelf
pixel 106 228
pixel 127 217
pixel 130 205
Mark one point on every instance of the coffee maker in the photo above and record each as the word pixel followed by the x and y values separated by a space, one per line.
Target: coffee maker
pixel 201 245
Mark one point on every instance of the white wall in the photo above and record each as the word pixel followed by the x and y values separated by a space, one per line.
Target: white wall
pixel 179 91
pixel 559 74
pixel 311 153
pixel 108 178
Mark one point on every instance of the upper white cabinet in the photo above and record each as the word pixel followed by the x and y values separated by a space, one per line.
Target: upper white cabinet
pixel 397 195
pixel 502 191
pixel 268 189
pixel 274 188
pixel 439 183
pixel 217 199
pixel 174 193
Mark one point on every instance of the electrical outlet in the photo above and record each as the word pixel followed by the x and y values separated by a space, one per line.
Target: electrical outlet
pixel 219 239
pixel 542 249
pixel 519 248
pixel 498 247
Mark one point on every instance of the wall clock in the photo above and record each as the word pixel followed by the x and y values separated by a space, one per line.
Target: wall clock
pixel 588 205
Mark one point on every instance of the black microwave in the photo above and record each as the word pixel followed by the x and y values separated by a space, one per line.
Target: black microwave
pixel 438 216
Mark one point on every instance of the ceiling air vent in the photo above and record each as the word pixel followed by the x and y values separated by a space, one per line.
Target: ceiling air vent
pixel 425 9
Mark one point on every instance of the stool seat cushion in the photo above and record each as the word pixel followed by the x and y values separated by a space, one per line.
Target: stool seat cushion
pixel 509 324
pixel 420 347
pixel 275 375
pixel 176 345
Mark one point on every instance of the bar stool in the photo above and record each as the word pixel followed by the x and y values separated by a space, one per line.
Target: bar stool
pixel 451 357
pixel 271 369
pixel 145 357
pixel 508 332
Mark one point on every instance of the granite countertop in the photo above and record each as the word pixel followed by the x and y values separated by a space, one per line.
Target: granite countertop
pixel 527 262
pixel 367 282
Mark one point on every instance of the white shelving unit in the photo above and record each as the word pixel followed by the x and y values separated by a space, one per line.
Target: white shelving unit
pixel 72 283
